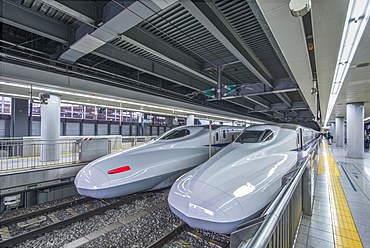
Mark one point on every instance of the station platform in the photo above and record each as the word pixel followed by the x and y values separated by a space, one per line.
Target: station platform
pixel 341 212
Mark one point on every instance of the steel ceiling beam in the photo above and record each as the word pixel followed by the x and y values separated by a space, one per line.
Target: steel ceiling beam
pixel 257 100
pixel 222 62
pixel 71 12
pixel 147 39
pixel 169 60
pixel 113 53
pixel 281 107
pixel 121 56
pixel 242 103
pixel 113 18
pixel 23 18
pixel 207 14
pixel 283 97
pixel 258 89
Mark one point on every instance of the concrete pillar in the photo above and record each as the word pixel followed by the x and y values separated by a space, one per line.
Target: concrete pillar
pixel 339 134
pixel 141 124
pixel 355 130
pixel 190 120
pixel 50 129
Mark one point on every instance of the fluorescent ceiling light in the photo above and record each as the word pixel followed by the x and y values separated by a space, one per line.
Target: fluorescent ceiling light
pixel 357 16
pixel 199 115
pixel 83 95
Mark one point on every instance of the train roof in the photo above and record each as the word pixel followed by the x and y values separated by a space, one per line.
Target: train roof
pixel 213 127
pixel 284 125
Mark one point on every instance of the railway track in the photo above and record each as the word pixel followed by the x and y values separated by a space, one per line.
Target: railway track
pixel 30 226
pixel 140 220
pixel 192 233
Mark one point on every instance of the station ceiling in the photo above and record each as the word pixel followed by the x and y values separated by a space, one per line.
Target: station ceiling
pixel 177 54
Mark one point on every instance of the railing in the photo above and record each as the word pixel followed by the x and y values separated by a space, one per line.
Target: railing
pixel 277 227
pixel 18 153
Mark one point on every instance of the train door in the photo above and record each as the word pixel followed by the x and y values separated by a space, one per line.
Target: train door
pixel 216 140
pixel 299 140
pixel 224 137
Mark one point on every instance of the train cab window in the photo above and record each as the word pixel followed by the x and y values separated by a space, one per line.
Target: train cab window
pixel 255 136
pixel 267 135
pixel 175 134
pixel 249 137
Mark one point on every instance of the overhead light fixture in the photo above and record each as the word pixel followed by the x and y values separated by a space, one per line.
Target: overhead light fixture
pixel 357 16
pixel 199 115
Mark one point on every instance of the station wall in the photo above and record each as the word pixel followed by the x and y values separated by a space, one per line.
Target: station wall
pixel 72 127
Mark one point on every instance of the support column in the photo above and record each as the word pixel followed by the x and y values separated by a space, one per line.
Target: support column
pixel 355 130
pixel 141 124
pixel 50 129
pixel 339 132
pixel 218 91
pixel 190 120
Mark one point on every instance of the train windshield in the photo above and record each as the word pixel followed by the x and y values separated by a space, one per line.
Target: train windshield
pixel 254 136
pixel 174 134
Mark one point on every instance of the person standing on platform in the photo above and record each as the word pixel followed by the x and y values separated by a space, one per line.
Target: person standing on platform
pixel 330 138
pixel 367 142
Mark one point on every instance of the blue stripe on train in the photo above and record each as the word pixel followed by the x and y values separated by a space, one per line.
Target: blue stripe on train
pixel 218 145
pixel 305 146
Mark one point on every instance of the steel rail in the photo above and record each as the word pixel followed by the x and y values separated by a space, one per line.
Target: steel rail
pixel 40 231
pixel 42 211
pixel 160 242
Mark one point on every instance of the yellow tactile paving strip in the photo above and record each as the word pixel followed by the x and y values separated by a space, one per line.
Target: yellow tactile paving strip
pixel 344 228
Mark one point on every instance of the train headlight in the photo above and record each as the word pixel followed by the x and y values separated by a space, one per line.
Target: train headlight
pixel 244 190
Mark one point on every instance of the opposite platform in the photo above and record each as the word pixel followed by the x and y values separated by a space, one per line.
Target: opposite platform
pixel 341 210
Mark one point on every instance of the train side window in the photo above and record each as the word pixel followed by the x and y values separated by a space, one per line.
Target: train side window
pixel 216 136
pixel 224 133
pixel 267 135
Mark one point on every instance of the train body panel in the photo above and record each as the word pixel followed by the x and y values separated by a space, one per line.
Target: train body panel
pixel 152 165
pixel 238 182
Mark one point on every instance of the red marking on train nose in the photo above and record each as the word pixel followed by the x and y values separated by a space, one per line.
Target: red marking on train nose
pixel 119 170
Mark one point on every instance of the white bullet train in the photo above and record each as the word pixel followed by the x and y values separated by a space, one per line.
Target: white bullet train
pixel 237 183
pixel 155 164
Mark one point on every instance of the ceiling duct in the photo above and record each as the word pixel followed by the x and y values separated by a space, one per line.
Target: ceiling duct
pixel 130 16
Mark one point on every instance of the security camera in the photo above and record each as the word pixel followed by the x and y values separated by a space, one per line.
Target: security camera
pixel 43 97
pixel 313 91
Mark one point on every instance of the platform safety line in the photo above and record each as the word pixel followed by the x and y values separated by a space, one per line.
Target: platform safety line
pixel 344 228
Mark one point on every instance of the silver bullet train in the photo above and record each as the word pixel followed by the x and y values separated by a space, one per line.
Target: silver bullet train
pixel 155 164
pixel 237 183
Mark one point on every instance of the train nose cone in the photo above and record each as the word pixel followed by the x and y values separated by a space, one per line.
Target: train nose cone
pixel 205 207
pixel 92 182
